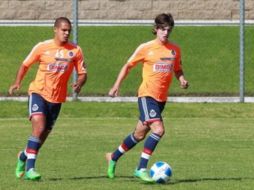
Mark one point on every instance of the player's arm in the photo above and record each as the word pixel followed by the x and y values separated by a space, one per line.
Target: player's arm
pixel 114 91
pixel 32 58
pixel 183 82
pixel 81 69
pixel 80 82
pixel 19 77
pixel 137 56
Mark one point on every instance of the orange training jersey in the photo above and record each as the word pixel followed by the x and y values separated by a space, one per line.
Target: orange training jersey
pixel 56 64
pixel 160 61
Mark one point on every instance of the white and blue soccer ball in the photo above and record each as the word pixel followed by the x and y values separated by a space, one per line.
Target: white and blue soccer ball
pixel 161 172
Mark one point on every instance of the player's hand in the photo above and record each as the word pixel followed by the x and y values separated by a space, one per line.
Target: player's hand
pixel 13 88
pixel 76 87
pixel 184 84
pixel 113 92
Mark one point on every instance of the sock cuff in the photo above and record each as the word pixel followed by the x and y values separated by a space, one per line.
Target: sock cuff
pixel 155 136
pixel 133 138
pixel 34 139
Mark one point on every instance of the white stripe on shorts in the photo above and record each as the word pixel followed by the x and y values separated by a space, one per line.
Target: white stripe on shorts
pixel 144 105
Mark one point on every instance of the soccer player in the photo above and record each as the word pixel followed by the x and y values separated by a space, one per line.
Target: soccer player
pixel 161 59
pixel 56 60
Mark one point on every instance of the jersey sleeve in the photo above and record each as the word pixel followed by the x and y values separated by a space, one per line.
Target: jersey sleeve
pixel 178 62
pixel 33 56
pixel 137 56
pixel 80 65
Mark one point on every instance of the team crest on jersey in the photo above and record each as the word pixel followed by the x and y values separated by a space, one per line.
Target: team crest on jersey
pixel 152 113
pixel 35 107
pixel 71 54
pixel 173 52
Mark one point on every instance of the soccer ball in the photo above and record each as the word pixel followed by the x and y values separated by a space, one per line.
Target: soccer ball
pixel 161 172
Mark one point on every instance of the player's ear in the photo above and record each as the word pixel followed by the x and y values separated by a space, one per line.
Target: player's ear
pixel 154 30
pixel 55 28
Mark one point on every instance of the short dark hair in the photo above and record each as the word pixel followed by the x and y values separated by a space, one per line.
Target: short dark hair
pixel 60 20
pixel 163 20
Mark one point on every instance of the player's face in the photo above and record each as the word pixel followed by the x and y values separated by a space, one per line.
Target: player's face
pixel 163 33
pixel 62 32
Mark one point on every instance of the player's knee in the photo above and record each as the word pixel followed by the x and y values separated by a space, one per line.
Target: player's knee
pixel 139 136
pixel 159 131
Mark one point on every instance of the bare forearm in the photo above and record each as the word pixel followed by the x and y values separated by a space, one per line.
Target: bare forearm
pixel 80 82
pixel 183 82
pixel 20 74
pixel 19 77
pixel 122 75
pixel 179 74
pixel 82 79
pixel 114 91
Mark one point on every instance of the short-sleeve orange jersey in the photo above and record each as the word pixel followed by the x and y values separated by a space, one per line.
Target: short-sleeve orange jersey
pixel 160 61
pixel 56 64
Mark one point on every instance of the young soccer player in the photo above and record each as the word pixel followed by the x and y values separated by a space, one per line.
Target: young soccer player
pixel 57 58
pixel 161 59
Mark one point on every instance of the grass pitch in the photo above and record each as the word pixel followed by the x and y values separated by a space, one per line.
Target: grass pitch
pixel 209 146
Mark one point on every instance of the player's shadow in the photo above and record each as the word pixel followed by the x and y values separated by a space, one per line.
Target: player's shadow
pixel 172 182
pixel 179 181
pixel 89 178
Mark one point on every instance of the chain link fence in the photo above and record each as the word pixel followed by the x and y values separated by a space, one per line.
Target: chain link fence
pixel 210 53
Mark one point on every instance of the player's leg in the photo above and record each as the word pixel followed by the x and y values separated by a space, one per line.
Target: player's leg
pixel 149 147
pixel 53 110
pixel 129 142
pixel 151 142
pixel 36 107
pixel 33 146
pixel 21 164
pixel 152 111
pixel 42 126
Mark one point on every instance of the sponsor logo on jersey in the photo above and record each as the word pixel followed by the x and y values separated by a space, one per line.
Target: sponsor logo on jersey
pixel 167 58
pixel 162 67
pixel 68 60
pixel 57 67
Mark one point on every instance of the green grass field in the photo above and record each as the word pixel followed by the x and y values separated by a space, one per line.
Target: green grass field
pixel 210 57
pixel 209 146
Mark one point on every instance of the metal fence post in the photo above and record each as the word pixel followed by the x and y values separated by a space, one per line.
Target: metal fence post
pixel 242 51
pixel 75 39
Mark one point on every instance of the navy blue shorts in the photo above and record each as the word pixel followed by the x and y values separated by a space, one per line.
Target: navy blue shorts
pixel 38 105
pixel 150 109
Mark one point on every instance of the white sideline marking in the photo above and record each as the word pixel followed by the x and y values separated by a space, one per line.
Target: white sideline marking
pixel 125 22
pixel 134 99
